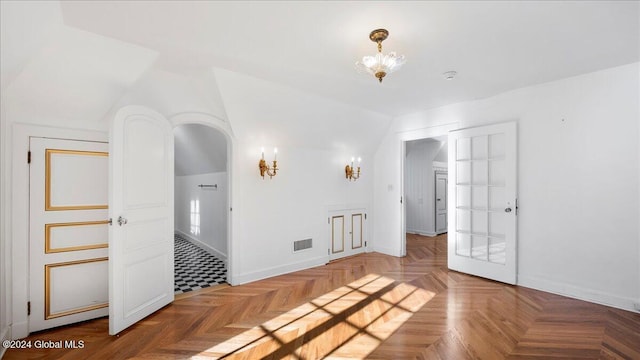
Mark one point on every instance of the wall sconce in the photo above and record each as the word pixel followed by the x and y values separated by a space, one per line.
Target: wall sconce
pixel 269 170
pixel 349 171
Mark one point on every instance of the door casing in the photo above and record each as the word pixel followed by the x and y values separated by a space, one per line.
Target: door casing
pixel 18 227
pixel 18 203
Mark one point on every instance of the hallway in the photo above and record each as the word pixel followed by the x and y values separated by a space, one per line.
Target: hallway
pixel 194 268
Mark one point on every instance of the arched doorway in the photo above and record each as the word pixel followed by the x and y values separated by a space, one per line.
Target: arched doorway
pixel 203 149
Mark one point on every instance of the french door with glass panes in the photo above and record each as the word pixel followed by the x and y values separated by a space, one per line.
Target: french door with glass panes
pixel 482 201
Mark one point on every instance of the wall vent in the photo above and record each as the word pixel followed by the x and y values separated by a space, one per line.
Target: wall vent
pixel 302 244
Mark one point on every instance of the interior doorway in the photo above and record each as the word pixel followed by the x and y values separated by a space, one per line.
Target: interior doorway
pixel 201 207
pixel 424 183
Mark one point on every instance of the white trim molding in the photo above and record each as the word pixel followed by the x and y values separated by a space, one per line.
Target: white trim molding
pixel 215 122
pixel 18 205
pixel 281 270
pixel 422 233
pixel 4 335
pixel 202 245
pixel 577 292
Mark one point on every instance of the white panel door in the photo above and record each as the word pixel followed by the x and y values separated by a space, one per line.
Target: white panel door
pixel 337 235
pixel 347 233
pixel 441 202
pixel 141 206
pixel 482 201
pixel 68 235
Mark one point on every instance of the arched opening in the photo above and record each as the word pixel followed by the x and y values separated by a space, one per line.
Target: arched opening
pixel 202 199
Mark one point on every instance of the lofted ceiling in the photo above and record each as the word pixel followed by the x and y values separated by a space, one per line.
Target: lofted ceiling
pixel 494 46
pixel 199 149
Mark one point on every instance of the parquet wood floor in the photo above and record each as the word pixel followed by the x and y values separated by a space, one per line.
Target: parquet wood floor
pixel 369 306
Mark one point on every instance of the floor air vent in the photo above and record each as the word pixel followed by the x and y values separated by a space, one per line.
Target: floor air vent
pixel 302 244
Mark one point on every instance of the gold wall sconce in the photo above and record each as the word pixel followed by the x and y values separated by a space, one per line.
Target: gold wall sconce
pixel 266 169
pixel 350 172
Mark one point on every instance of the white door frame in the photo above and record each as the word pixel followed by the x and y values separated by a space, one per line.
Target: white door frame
pixel 435 204
pixel 223 127
pixel 402 138
pixel 18 225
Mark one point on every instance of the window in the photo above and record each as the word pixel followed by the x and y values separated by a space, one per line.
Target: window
pixel 195 217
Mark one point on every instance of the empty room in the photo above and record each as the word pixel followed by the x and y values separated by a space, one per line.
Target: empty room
pixel 320 179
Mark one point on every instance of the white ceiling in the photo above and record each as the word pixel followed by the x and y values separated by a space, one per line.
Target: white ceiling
pixel 494 45
pixel 199 149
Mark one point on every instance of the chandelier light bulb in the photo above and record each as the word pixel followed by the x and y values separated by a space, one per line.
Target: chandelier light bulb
pixel 379 65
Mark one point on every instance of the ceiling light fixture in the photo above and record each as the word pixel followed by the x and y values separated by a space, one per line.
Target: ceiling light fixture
pixel 380 65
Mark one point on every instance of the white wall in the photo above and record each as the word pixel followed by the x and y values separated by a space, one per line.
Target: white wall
pixel 419 184
pixel 211 234
pixel 578 180
pixel 316 137
pixel 25 28
pixel 270 214
pixel 5 254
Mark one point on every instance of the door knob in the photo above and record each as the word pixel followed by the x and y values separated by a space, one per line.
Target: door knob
pixel 507 210
pixel 121 221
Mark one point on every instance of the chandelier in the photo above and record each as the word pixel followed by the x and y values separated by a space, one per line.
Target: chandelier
pixel 380 65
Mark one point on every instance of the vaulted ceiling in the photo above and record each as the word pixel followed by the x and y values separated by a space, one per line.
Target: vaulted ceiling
pixel 282 72
pixel 494 46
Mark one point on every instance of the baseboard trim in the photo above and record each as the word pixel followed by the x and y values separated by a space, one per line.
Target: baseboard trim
pixel 202 245
pixel 5 334
pixel 280 270
pixel 422 233
pixel 19 330
pixel 387 251
pixel 577 292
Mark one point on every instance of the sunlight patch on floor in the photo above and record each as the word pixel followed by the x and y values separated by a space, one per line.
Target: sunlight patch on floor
pixel 349 322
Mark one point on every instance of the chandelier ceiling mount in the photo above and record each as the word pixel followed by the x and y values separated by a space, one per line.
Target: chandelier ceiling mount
pixel 379 65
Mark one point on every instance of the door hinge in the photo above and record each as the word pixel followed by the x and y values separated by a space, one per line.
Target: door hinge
pixel 328 251
pixel 28 308
pixel 400 199
pixel 365 244
pixel 328 221
pixel 365 216
pixel 516 207
pixel 28 157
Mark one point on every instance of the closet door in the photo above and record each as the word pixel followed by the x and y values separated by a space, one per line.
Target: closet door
pixel 347 233
pixel 441 202
pixel 68 232
pixel 337 236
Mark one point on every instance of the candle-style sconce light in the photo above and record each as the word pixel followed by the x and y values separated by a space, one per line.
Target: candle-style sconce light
pixel 350 172
pixel 266 169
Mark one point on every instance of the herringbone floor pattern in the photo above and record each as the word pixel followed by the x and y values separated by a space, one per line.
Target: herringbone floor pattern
pixel 369 306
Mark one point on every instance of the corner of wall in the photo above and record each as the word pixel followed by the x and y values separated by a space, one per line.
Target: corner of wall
pixel 5 283
pixel 637 304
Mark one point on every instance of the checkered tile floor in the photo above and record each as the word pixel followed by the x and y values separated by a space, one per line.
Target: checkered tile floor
pixel 195 268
